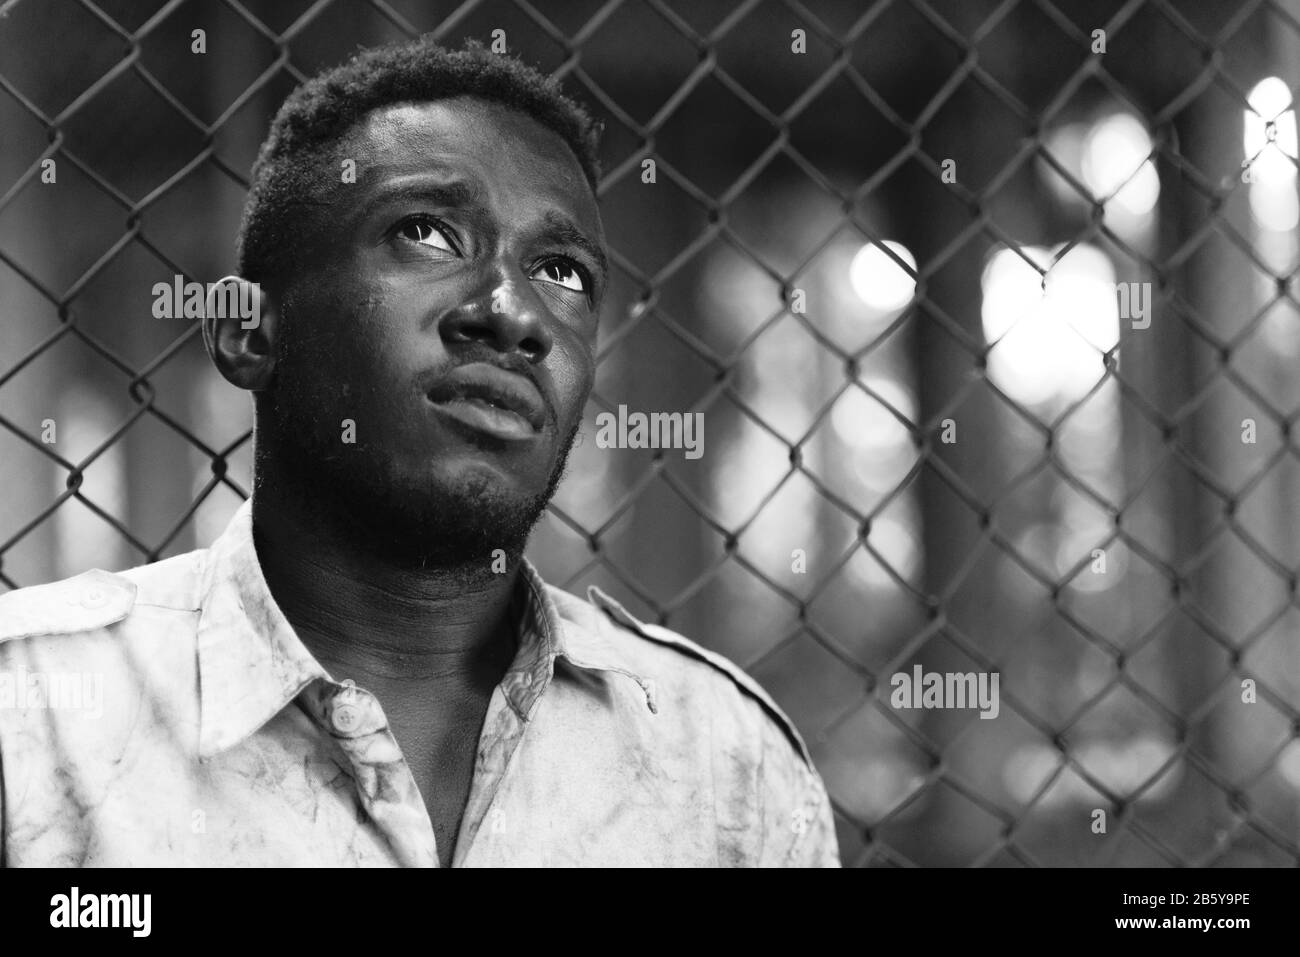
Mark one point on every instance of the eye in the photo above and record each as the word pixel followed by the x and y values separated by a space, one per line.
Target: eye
pixel 428 232
pixel 561 272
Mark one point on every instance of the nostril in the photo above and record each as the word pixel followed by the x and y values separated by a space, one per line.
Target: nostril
pixel 471 332
pixel 533 348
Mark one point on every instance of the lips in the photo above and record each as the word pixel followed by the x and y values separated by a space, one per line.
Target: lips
pixel 489 399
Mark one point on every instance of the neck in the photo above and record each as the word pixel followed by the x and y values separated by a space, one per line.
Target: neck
pixel 381 621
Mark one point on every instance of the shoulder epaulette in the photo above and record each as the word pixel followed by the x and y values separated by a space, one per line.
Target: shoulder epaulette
pixel 92 600
pixel 671 639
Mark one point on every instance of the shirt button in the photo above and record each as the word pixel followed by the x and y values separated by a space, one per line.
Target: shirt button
pixel 93 597
pixel 345 718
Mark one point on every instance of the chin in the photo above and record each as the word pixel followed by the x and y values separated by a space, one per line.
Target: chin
pixel 454 518
pixel 452 509
pixel 475 476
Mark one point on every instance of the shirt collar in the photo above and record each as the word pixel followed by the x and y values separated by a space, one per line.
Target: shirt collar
pixel 557 626
pixel 252 664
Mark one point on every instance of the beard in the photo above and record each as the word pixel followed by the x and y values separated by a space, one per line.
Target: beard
pixel 414 523
pixel 409 518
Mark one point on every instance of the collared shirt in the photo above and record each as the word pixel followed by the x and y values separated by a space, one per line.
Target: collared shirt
pixel 169 715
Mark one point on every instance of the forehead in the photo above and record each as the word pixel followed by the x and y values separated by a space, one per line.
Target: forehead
pixel 508 151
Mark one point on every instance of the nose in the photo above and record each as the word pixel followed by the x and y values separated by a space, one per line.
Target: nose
pixel 506 314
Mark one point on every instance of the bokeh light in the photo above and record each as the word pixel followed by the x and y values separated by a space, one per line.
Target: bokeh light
pixel 1116 164
pixel 1049 335
pixel 1269 140
pixel 879 281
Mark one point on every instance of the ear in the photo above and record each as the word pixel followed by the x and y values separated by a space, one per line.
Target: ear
pixel 240 324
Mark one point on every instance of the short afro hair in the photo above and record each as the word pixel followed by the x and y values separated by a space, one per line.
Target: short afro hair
pixel 317 116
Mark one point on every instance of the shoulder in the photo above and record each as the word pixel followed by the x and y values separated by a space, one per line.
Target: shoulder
pixel 770 804
pixel 682 668
pixel 98 599
pixel 92 600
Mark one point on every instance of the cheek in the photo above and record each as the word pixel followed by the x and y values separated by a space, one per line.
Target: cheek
pixel 339 366
pixel 574 375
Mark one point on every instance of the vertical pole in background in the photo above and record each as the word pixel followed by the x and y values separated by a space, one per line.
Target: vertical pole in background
pixel 1230 587
pixel 1282 383
pixel 952 534
pixel 26 318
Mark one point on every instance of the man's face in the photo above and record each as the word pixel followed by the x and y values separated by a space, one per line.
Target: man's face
pixel 447 309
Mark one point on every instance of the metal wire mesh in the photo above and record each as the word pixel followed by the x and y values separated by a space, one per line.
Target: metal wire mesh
pixel 888 483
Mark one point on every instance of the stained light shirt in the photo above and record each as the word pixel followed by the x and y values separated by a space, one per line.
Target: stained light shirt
pixel 170 716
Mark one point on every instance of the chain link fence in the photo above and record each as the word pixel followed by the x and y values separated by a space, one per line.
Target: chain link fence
pixel 987 307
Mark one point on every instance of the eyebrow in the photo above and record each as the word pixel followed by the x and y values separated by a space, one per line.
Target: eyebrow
pixel 451 192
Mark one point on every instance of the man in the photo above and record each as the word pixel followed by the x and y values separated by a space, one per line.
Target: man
pixel 363 670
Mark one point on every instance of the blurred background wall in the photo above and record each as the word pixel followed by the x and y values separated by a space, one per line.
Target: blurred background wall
pixel 881 256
